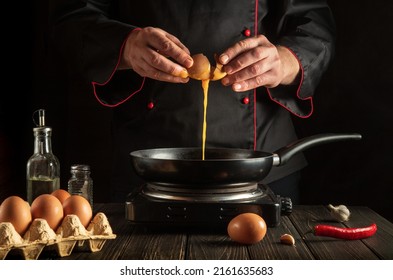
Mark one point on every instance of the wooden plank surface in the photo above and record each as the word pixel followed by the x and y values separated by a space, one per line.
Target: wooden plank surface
pixel 382 244
pixel 270 248
pixel 167 243
pixel 145 244
pixel 218 246
pixel 139 242
pixel 306 217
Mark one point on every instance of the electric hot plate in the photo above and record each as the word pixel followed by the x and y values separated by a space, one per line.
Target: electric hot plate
pixel 207 208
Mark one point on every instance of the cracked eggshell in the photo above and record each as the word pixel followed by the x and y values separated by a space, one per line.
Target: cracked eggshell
pixel 200 70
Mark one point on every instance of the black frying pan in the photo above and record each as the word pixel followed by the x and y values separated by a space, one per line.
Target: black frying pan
pixel 226 167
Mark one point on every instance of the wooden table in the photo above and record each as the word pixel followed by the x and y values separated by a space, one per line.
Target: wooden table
pixel 138 242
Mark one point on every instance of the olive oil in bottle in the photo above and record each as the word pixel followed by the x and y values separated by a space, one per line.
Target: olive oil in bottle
pixel 43 167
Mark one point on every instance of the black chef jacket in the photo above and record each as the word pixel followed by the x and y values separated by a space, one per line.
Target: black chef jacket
pixel 150 114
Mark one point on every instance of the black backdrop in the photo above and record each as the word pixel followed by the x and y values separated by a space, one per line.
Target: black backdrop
pixel 356 95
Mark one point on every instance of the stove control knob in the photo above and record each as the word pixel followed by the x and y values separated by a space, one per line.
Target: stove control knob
pixel 286 206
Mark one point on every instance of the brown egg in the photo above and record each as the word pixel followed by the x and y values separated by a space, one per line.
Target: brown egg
pixel 61 195
pixel 48 207
pixel 247 228
pixel 16 211
pixel 200 70
pixel 79 206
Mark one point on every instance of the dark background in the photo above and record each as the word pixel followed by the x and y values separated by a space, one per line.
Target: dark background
pixel 355 95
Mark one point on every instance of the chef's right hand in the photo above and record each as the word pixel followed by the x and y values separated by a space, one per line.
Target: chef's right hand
pixel 153 53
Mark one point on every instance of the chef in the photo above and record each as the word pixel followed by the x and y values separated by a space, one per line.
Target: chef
pixel 136 58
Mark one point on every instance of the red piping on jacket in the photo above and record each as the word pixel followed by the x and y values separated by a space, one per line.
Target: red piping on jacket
pixel 110 77
pixel 94 84
pixel 255 90
pixel 270 95
pixel 297 92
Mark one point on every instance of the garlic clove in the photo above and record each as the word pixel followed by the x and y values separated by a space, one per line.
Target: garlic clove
pixel 339 213
pixel 287 239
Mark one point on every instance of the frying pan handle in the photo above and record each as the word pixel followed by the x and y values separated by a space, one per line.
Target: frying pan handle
pixel 281 156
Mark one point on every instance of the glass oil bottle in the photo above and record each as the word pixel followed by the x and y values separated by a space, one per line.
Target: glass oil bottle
pixel 43 167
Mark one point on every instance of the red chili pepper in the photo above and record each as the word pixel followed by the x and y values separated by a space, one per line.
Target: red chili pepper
pixel 345 233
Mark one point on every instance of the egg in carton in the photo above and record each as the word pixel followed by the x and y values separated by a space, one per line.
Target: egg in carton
pixel 100 231
pixel 68 234
pixel 9 238
pixel 73 233
pixel 37 237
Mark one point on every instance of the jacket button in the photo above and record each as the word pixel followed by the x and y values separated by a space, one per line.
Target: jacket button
pixel 246 100
pixel 150 105
pixel 247 32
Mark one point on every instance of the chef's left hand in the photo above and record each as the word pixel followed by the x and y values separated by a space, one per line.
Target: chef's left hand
pixel 256 62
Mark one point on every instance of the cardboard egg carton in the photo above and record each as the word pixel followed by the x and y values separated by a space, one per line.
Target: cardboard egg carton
pixel 69 234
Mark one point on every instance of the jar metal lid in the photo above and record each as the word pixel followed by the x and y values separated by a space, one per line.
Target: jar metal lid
pixel 83 167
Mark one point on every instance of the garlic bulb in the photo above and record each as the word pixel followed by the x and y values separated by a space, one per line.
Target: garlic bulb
pixel 339 213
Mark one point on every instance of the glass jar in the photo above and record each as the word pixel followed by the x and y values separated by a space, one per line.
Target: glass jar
pixel 80 182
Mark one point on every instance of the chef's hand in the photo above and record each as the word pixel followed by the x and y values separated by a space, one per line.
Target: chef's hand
pixel 152 52
pixel 256 62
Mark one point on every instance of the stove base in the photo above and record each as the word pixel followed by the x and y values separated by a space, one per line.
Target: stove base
pixel 155 211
